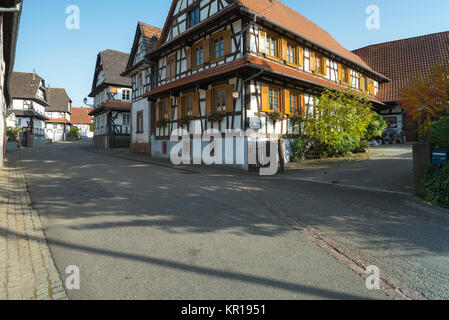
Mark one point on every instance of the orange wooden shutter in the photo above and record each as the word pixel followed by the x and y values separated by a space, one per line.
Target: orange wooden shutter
pixel 339 72
pixel 302 104
pixel 196 105
pixel 324 65
pixel 206 51
pixel 228 42
pixel 286 102
pixel 208 102
pixel 361 83
pixel 158 109
pixel 371 87
pixel 312 61
pixel 283 50
pixel 229 98
pixel 181 106
pixel 189 58
pixel 170 108
pixel 262 41
pixel 300 56
pixel 265 98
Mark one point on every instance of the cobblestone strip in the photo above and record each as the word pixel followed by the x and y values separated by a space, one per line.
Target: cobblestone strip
pixel 27 269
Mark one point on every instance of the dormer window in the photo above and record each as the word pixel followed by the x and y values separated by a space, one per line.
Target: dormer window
pixel 194 17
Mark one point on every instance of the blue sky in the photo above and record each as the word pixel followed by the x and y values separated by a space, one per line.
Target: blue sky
pixel 66 58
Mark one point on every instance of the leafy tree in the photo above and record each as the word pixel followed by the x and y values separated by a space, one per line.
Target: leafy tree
pixel 438 132
pixel 426 99
pixel 436 183
pixel 376 127
pixel 338 120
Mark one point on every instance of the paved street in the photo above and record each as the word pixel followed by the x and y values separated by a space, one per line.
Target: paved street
pixel 141 231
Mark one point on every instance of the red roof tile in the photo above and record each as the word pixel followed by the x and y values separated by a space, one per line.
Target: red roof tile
pixel 113 105
pixel 57 121
pixel 402 60
pixel 81 116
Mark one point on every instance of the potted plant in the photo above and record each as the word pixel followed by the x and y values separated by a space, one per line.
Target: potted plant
pixel 277 116
pixel 215 116
pixel 185 120
pixel 162 123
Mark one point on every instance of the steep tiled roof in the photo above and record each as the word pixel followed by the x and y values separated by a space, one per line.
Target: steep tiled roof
pixel 81 116
pixel 150 31
pixel 402 60
pixel 24 85
pixel 58 100
pixel 56 120
pixel 288 18
pixel 114 63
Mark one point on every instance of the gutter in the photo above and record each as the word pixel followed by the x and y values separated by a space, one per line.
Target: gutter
pixel 244 9
pixel 17 12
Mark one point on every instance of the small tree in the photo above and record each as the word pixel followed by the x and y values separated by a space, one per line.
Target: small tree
pixel 426 99
pixel 376 127
pixel 338 120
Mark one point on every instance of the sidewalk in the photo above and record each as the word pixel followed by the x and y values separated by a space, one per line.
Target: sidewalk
pixel 27 270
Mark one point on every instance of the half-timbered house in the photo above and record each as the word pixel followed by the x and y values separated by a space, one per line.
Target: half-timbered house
pixel 140 70
pixel 27 111
pixel 402 61
pixel 80 119
pixel 57 128
pixel 112 94
pixel 229 65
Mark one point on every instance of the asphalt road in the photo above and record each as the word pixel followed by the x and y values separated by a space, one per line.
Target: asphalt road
pixel 139 231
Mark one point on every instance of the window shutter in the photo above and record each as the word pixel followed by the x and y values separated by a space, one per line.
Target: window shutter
pixel 208 102
pixel 302 104
pixel 189 58
pixel 158 110
pixel 286 102
pixel 340 77
pixel 228 42
pixel 181 106
pixel 229 98
pixel 312 61
pixel 324 66
pixel 262 41
pixel 196 105
pixel 361 82
pixel 206 51
pixel 265 98
pixel 300 56
pixel 170 108
pixel 371 87
pixel 283 50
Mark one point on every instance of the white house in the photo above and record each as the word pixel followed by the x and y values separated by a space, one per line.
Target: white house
pixel 80 118
pixel 112 94
pixel 59 111
pixel 27 110
pixel 9 28
pixel 231 65
pixel 139 69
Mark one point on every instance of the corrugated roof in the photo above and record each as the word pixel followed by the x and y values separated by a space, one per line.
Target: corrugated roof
pixel 403 60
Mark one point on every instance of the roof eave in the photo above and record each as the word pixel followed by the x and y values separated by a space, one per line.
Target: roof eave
pixel 245 9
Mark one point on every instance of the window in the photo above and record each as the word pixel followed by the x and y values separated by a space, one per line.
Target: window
pixel 319 64
pixel 293 102
pixel 344 74
pixel 140 80
pixel 219 102
pixel 273 99
pixel 139 122
pixel 363 83
pixel 171 66
pixel 218 48
pixel 291 54
pixel 126 95
pixel 198 55
pixel 164 109
pixel 271 45
pixel 194 17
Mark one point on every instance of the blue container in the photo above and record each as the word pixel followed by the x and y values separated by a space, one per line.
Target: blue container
pixel 440 156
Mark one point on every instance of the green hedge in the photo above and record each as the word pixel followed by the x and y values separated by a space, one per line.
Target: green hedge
pixel 436 183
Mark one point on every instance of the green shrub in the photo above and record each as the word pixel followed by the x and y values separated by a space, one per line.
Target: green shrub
pixel 299 149
pixel 12 133
pixel 376 127
pixel 438 132
pixel 436 183
pixel 74 133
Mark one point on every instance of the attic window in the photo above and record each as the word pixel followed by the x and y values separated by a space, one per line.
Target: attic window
pixel 194 17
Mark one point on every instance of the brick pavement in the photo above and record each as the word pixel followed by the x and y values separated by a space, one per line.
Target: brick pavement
pixel 27 269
